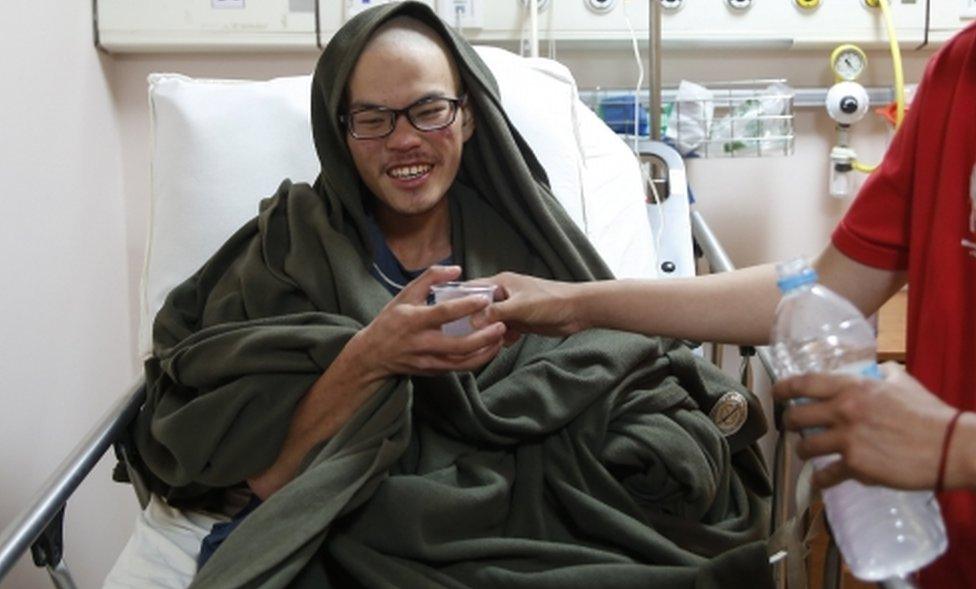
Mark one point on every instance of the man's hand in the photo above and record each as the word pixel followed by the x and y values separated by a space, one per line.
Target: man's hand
pixel 887 432
pixel 533 305
pixel 406 338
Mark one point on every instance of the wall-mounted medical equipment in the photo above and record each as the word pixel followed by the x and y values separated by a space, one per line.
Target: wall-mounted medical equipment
pixel 847 103
pixel 207 25
pixel 289 25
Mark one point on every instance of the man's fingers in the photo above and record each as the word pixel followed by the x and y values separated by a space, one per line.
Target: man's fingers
pixel 447 311
pixel 821 443
pixel 416 292
pixel 814 386
pixel 476 359
pixel 501 282
pixel 471 343
pixel 830 475
pixel 512 336
pixel 460 363
pixel 801 415
pixel 498 311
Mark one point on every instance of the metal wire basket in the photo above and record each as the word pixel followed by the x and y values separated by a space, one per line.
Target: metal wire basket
pixel 748 118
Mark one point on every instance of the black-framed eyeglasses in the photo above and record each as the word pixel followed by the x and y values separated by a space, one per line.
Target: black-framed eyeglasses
pixel 427 114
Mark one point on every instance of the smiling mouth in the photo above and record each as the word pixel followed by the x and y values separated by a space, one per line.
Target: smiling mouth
pixel 409 172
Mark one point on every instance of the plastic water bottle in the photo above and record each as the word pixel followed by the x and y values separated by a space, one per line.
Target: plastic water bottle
pixel 881 532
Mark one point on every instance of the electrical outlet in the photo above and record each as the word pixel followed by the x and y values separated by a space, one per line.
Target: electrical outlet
pixel 462 14
pixel 967 9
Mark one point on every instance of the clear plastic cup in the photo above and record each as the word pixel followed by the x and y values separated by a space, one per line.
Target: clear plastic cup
pixel 447 291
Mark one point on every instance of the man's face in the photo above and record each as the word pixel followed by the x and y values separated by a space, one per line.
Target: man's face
pixel 409 171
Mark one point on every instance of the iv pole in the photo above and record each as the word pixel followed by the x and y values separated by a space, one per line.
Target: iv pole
pixel 654 59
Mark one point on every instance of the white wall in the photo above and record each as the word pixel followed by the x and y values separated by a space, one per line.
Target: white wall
pixel 65 343
pixel 74 174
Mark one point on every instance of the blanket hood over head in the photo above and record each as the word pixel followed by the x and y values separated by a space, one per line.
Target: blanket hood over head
pixel 497 163
pixel 579 462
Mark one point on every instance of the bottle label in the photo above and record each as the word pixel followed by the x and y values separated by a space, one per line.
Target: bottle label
pixel 865 369
pixel 872 371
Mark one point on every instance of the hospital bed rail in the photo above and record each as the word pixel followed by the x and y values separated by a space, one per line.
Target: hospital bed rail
pixel 718 261
pixel 39 525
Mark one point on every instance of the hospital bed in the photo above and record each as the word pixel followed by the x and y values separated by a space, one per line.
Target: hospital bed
pixel 217 146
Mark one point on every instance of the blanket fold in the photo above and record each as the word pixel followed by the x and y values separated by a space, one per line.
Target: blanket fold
pixel 586 461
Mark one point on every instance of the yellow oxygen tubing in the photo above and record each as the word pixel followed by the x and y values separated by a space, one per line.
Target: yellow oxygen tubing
pixel 899 78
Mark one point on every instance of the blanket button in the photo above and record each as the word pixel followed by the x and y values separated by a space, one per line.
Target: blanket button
pixel 730 412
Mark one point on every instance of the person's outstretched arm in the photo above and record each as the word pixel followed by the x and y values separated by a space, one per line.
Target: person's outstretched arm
pixel 733 307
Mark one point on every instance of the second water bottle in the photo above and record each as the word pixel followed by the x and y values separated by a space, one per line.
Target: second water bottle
pixel 881 532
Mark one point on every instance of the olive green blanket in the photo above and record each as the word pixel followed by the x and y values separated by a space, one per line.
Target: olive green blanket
pixel 588 461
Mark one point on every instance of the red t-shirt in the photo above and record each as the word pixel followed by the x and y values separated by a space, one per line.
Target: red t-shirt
pixel 914 213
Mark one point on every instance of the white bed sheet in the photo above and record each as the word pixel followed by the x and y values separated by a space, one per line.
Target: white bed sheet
pixel 162 551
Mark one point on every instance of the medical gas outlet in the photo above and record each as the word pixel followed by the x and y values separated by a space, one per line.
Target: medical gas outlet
pixel 739 4
pixel 601 6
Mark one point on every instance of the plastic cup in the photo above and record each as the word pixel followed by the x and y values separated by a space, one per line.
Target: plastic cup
pixel 455 290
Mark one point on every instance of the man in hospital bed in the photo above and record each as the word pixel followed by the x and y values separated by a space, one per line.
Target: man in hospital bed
pixel 302 364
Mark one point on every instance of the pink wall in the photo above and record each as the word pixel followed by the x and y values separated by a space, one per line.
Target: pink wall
pixel 65 342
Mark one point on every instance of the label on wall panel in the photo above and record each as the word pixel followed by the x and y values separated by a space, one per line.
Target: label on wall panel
pixel 301 5
pixel 227 3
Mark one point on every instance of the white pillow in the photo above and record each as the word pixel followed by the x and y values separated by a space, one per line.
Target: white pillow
pixel 219 146
pixel 591 171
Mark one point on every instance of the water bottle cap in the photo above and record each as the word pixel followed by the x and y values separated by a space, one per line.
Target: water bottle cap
pixel 794 274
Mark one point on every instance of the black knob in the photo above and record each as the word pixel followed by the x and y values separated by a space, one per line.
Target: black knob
pixel 848 104
pixel 668 267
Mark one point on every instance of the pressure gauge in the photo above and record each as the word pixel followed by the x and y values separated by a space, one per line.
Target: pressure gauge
pixel 848 62
pixel 739 4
